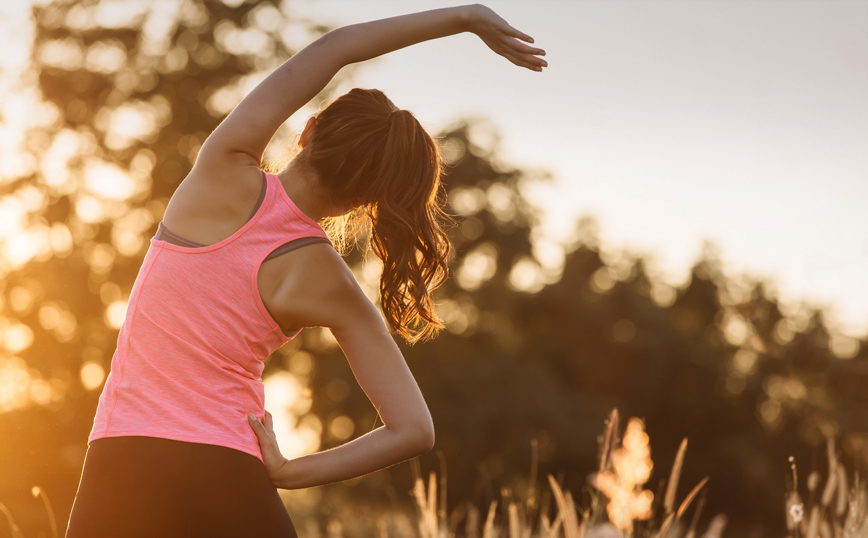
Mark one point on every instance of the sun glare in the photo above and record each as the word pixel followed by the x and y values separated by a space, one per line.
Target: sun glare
pixel 115 314
pixel 92 375
pixel 108 181
pixel 285 399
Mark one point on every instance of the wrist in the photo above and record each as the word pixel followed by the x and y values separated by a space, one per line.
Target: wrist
pixel 284 477
pixel 467 17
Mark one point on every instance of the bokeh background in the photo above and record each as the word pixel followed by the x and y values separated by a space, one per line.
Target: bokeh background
pixel 670 220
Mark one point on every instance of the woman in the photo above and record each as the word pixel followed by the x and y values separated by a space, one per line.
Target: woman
pixel 181 443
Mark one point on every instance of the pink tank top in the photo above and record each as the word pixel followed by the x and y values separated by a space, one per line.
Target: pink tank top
pixel 192 347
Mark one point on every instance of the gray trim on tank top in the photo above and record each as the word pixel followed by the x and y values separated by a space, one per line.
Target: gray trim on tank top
pixel 164 234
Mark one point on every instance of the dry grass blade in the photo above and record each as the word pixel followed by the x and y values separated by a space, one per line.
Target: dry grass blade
pixel 674 477
pixel 514 523
pixel 38 492
pixel 16 531
pixel 553 530
pixel 471 523
pixel 814 522
pixel 534 468
pixel 691 532
pixel 830 488
pixel 427 506
pixel 432 493
pixel 570 520
pixel 609 440
pixel 665 527
pixel 488 531
pixel 856 517
pixel 689 499
pixel 842 497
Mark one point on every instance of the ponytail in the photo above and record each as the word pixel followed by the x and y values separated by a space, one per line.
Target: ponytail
pixel 370 155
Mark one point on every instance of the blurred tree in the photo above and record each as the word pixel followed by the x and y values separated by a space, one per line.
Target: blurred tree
pixel 533 354
pixel 121 95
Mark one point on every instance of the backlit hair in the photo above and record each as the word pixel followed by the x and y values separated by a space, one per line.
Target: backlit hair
pixel 370 154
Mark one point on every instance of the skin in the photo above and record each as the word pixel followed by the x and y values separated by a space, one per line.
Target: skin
pixel 312 286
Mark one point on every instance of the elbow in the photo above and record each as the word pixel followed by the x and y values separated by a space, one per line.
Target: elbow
pixel 423 439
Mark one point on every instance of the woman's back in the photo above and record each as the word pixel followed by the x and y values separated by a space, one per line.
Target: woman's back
pixel 198 331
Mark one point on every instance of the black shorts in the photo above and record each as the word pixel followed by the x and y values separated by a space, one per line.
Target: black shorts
pixel 150 487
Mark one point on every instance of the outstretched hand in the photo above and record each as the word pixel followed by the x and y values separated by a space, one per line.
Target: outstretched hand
pixel 504 39
pixel 271 456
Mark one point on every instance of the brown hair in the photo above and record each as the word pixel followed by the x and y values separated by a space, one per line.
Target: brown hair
pixel 377 158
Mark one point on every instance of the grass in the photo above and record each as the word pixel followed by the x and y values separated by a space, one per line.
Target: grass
pixel 619 505
pixel 836 511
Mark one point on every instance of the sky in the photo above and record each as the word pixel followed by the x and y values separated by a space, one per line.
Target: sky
pixel 673 123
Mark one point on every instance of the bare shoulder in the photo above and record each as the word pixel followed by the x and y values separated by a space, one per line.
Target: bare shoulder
pixel 214 200
pixel 320 290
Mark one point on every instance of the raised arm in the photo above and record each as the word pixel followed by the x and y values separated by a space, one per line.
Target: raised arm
pixel 242 137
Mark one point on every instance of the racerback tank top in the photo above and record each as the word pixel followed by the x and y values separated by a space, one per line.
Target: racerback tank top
pixel 192 346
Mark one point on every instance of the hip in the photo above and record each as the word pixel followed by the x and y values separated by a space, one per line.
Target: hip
pixel 150 486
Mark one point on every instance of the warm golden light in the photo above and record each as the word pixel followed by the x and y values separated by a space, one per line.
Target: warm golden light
pixel 526 276
pixel 17 337
pixel 108 181
pixel 284 399
pixel 602 280
pixel 92 375
pixel 632 468
pixel 341 427
pixel 115 314
pixel 479 265
pixel 14 380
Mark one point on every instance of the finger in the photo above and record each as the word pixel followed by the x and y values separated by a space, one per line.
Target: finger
pixel 257 427
pixel 521 61
pixel 519 35
pixel 530 61
pixel 514 44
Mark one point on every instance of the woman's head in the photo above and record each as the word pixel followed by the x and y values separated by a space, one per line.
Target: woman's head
pixel 369 155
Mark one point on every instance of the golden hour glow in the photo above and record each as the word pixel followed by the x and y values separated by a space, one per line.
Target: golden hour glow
pixel 11 216
pixel 602 280
pixel 60 239
pixel 115 314
pixel 54 164
pixel 301 363
pixel 670 219
pixel 467 201
pixel 20 299
pixel 342 427
pixel 632 468
pixel 100 256
pixel 49 316
pixel 526 276
pixel 109 181
pixel 17 337
pixel 92 375
pixel 283 393
pixel 479 266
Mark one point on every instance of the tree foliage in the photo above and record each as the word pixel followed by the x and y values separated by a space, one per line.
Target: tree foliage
pixel 535 349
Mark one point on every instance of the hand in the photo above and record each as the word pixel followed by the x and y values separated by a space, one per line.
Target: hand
pixel 271 456
pixel 504 39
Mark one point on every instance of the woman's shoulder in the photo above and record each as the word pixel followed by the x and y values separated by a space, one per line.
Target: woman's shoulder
pixel 319 289
pixel 213 202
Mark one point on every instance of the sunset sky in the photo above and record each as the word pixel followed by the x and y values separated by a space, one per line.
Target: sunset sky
pixel 745 123
pixel 672 122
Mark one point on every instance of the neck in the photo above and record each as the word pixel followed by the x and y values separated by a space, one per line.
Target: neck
pixel 302 185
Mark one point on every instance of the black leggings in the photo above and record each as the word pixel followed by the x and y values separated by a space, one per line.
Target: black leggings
pixel 160 488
